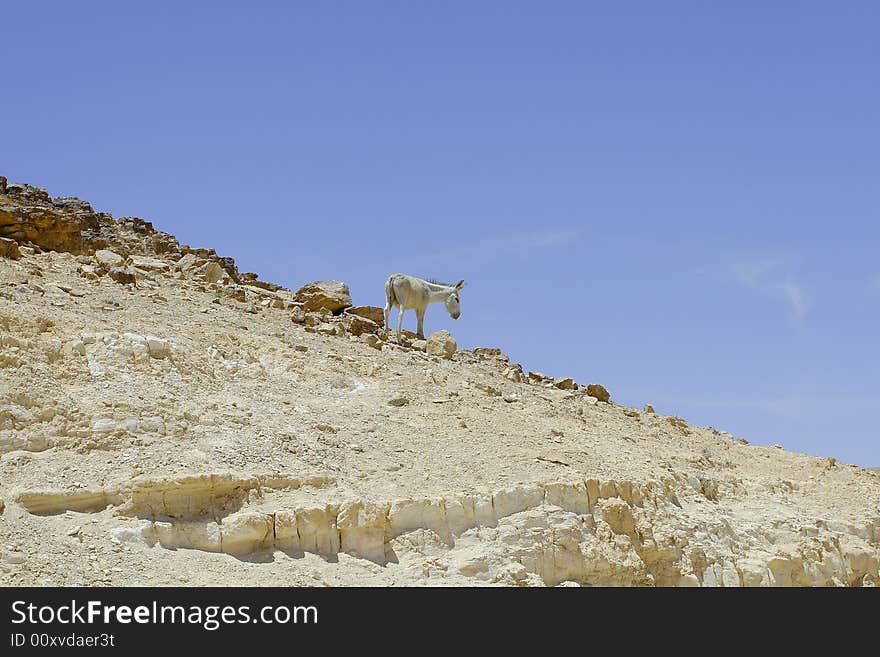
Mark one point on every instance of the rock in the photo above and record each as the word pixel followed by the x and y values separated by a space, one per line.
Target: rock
pixel 9 249
pixel 599 392
pixel 373 313
pixel 510 398
pixel 649 408
pixel 187 262
pixel 107 259
pixel 104 425
pixel 441 343
pixel 124 275
pixel 397 399
pixel 245 532
pixel 88 271
pixel 565 384
pixel 357 325
pixel 158 348
pixel 492 353
pixel 297 314
pixel 372 340
pixel 148 264
pixel 211 272
pixel 44 226
pixel 419 345
pixel 332 296
pixel 14 558
pixel 514 373
pixel 238 293
pixel 3 183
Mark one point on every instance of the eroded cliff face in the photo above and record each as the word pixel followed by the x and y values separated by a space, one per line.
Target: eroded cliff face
pixel 165 419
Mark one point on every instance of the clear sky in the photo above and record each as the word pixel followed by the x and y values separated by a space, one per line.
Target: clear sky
pixel 678 200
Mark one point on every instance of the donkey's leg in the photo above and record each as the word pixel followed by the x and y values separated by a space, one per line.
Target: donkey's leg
pixel 387 313
pixel 420 315
pixel 399 322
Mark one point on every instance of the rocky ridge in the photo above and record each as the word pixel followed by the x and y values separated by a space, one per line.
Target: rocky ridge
pixel 167 419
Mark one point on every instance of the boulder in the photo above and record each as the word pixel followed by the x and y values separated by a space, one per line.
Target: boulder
pixel 356 325
pixel 88 271
pixel 297 314
pixel 332 296
pixel 9 249
pixel 372 340
pixel 565 384
pixel 158 348
pixel 212 272
pixel 599 392
pixel 373 313
pixel 490 353
pixel 397 399
pixel 148 264
pixel 124 275
pixel 107 259
pixel 187 262
pixel 441 343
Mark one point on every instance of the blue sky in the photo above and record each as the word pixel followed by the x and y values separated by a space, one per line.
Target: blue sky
pixel 678 200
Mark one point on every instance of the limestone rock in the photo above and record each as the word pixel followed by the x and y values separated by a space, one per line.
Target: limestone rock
pixel 418 345
pixel 441 343
pixel 157 347
pixel 372 340
pixel 565 384
pixel 297 314
pixel 357 325
pixel 373 313
pixel 246 532
pixel 599 392
pixel 88 271
pixel 9 249
pixel 148 264
pixel 211 272
pixel 108 259
pixel 332 296
pixel 491 353
pixel 44 226
pixel 187 262
pixel 124 275
pixel 397 399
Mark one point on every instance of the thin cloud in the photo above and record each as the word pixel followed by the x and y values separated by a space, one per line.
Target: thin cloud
pixel 794 293
pixel 770 276
pixel 492 248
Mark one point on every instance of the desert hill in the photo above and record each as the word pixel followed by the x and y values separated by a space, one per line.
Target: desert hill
pixel 166 419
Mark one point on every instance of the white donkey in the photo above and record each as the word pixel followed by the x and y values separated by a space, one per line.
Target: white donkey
pixel 411 293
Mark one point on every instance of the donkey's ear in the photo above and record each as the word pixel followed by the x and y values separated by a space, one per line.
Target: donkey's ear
pixel 459 285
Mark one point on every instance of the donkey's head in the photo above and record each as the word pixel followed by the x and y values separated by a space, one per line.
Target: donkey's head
pixel 453 301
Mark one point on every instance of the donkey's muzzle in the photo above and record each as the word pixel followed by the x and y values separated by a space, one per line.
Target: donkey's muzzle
pixel 456 316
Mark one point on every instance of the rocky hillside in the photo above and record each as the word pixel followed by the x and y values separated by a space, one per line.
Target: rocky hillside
pixel 166 419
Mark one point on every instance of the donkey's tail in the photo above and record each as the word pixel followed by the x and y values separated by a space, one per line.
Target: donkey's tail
pixel 390 297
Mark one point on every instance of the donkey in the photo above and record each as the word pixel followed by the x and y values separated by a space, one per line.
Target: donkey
pixel 409 292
